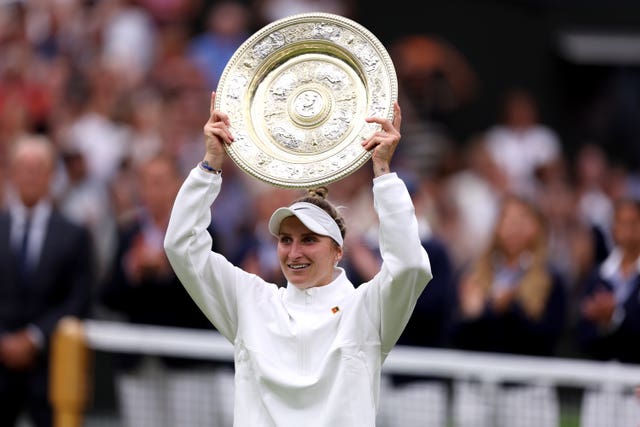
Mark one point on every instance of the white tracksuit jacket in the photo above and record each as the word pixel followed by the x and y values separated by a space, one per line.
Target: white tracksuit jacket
pixel 303 358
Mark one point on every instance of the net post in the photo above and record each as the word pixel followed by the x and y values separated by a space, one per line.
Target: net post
pixel 68 388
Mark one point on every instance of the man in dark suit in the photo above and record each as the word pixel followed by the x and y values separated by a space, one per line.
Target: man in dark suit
pixel 45 274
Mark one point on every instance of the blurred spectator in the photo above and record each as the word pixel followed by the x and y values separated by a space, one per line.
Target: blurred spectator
pixel 22 87
pixel 609 325
pixel 572 245
pixel 169 12
pixel 436 78
pixel 173 71
pixel 128 40
pixel 434 82
pixel 12 22
pixel 145 117
pixel 87 201
pixel 24 97
pixel 594 202
pixel 510 301
pixel 58 28
pixel 610 307
pixel 97 131
pixel 181 133
pixel 511 288
pixel 622 182
pixel 227 27
pixel 143 289
pixel 520 145
pixel 594 205
pixel 46 274
pixel 474 192
pixel 270 10
pixel 430 322
pixel 184 90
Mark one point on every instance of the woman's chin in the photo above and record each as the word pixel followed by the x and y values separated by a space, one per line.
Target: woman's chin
pixel 302 285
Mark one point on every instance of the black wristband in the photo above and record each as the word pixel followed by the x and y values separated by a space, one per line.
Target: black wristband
pixel 206 166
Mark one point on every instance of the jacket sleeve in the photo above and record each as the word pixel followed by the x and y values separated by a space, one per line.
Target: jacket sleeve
pixel 207 276
pixel 405 269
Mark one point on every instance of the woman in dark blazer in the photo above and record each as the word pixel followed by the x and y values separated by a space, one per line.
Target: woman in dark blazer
pixel 510 301
pixel 609 322
pixel 608 325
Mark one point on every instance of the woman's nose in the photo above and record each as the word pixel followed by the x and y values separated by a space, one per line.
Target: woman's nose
pixel 295 250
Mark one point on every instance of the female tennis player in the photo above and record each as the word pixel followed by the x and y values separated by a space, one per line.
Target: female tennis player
pixel 308 354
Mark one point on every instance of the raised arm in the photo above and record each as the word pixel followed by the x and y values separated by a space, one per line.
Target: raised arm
pixel 208 277
pixel 405 269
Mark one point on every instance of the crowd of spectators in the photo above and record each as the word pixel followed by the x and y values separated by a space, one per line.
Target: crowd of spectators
pixel 516 228
pixel 114 83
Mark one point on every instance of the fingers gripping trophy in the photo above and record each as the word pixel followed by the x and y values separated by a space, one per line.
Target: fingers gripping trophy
pixel 298 93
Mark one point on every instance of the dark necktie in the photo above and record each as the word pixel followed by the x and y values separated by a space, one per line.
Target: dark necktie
pixel 23 254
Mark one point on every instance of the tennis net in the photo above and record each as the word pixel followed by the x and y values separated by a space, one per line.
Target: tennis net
pixel 421 386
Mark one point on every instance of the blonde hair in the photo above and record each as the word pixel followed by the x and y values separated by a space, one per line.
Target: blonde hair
pixel 534 287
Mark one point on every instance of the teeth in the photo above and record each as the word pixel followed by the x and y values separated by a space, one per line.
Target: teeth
pixel 297 266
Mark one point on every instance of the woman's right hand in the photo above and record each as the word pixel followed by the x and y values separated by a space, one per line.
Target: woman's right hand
pixel 383 143
pixel 216 133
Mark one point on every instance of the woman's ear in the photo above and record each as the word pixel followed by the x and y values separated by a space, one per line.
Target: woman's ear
pixel 338 255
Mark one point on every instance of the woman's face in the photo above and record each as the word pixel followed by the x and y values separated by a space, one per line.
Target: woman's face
pixel 626 227
pixel 306 258
pixel 517 229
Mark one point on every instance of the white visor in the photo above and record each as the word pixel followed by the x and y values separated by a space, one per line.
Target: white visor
pixel 312 216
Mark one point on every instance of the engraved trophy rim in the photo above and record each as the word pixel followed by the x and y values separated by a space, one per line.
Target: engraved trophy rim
pixel 297 92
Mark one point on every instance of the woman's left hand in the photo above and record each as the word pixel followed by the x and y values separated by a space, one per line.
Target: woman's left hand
pixel 384 142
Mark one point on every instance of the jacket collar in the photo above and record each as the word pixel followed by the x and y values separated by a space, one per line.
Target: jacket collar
pixel 611 264
pixel 321 295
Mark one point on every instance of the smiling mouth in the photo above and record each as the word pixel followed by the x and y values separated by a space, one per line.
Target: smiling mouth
pixel 298 266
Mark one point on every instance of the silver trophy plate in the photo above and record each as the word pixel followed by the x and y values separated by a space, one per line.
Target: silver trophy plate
pixel 297 93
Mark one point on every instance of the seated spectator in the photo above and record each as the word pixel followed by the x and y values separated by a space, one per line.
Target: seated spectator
pixel 510 301
pixel 610 306
pixel 522 146
pixel 609 324
pixel 227 27
pixel 474 193
pixel 143 289
pixel 412 399
pixel 436 81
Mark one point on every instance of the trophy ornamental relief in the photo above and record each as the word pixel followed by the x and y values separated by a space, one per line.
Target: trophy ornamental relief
pixel 297 93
